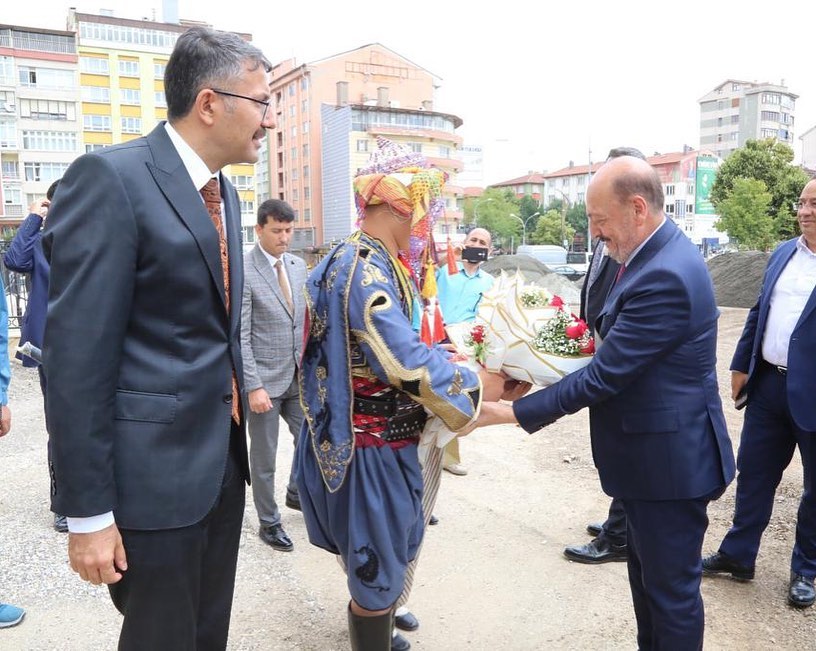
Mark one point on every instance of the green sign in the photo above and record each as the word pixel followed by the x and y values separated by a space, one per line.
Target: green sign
pixel 706 171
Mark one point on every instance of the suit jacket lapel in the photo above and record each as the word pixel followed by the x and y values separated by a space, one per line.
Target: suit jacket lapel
pixel 174 182
pixel 232 219
pixel 269 274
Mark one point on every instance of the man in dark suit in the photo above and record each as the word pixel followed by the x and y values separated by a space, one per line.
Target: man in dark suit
pixel 142 351
pixel 609 542
pixel 25 255
pixel 773 367
pixel 272 317
pixel 658 432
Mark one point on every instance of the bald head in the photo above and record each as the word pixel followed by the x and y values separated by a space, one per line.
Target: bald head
pixel 479 237
pixel 624 204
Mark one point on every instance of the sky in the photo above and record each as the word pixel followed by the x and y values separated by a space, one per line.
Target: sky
pixel 537 84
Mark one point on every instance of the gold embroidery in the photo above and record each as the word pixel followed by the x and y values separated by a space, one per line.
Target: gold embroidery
pixel 455 387
pixel 332 277
pixel 318 326
pixel 321 373
pixel 397 374
pixel 372 273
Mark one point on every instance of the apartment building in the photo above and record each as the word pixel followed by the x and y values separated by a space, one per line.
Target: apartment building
pixel 687 177
pixel 40 118
pixel 808 139
pixel 329 113
pixel 737 111
pixel 121 65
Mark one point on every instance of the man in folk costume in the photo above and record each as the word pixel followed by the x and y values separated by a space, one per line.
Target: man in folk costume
pixel 366 381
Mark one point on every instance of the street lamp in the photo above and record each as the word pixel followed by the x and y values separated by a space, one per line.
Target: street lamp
pixel 476 206
pixel 564 206
pixel 524 224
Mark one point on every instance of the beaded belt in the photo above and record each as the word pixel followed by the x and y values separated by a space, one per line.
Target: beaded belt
pixel 403 419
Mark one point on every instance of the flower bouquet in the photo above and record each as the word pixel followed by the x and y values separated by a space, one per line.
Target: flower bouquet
pixel 525 331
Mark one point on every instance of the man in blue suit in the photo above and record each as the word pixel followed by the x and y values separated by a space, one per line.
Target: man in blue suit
pixel 25 255
pixel 773 367
pixel 143 352
pixel 658 433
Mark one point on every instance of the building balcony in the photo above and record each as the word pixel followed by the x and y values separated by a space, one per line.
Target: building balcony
pixel 12 210
pixel 447 163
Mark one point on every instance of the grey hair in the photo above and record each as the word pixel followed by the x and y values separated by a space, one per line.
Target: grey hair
pixel 204 57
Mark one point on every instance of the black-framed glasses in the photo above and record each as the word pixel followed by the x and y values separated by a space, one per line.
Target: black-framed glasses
pixel 263 102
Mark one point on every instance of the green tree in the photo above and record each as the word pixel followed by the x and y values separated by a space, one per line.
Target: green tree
pixel 548 229
pixel 577 217
pixel 492 211
pixel 745 215
pixel 770 162
pixel 528 207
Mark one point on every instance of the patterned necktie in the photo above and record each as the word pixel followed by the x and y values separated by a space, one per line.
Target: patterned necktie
pixel 595 265
pixel 212 199
pixel 283 282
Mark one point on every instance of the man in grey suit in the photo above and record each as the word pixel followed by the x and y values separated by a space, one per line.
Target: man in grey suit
pixel 143 356
pixel 272 318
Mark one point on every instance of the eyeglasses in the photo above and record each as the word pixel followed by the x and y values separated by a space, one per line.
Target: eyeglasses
pixel 263 102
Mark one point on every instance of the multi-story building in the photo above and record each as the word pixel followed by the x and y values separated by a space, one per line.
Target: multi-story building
pixel 329 113
pixel 687 177
pixel 737 111
pixel 121 63
pixel 808 139
pixel 39 114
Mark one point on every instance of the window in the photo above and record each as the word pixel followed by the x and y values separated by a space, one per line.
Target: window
pixel 307 193
pixel 293 154
pixel 96 122
pixel 305 151
pixel 580 198
pixel 130 96
pixel 94 65
pixel 305 172
pixel 735 119
pixel 304 106
pixel 767 133
pixel 565 182
pixel 96 94
pixel 416 147
pixel 362 145
pixel 771 98
pixel 292 111
pixel 670 208
pixel 242 182
pixel 669 190
pixel 128 68
pixel 50 140
pixel 45 109
pixel 48 172
pixel 773 116
pixel 131 125
pixel 291 90
pixel 444 152
pixel 7 71
pixel 294 196
pixel 294 175
pixel 304 83
pixel 8 135
pixel 249 234
pixel 158 70
pixel 10 169
pixel 122 34
pixel 306 127
pixel 12 196
pixel 160 99
pixel 247 207
pixel 307 215
pixel 46 78
pixel 95 147
pixel 294 132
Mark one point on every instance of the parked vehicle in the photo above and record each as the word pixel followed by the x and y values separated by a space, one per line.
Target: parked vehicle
pixel 579 260
pixel 570 273
pixel 547 254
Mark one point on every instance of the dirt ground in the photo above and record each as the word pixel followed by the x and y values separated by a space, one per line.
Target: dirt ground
pixel 492 574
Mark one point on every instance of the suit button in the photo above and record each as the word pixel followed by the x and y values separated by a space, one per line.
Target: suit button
pixel 228 397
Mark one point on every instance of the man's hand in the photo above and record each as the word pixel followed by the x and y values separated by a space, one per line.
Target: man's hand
pixel 515 389
pixel 492 413
pixel 492 385
pixel 259 401
pixel 97 556
pixel 5 420
pixel 40 208
pixel 738 380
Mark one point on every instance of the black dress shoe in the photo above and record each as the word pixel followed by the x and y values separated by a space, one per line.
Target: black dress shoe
pixel 801 593
pixel 433 521
pixel 600 550
pixel 293 502
pixel 274 536
pixel 595 529
pixel 406 622
pixel 719 563
pixel 399 643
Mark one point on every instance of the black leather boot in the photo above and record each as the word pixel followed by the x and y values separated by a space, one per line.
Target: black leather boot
pixel 370 633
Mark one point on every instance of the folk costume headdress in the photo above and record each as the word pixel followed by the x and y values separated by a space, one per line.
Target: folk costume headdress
pixel 405 181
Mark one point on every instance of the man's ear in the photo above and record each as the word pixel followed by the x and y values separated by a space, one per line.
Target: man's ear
pixel 206 106
pixel 641 207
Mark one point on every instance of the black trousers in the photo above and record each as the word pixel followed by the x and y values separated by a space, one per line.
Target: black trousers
pixel 177 592
pixel 614 528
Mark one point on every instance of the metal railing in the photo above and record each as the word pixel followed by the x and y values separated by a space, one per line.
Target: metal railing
pixel 17 288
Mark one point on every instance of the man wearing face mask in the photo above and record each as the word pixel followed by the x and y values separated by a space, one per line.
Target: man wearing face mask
pixel 459 297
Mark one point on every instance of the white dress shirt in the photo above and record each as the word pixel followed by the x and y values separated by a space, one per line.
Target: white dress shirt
pixel 790 294
pixel 199 174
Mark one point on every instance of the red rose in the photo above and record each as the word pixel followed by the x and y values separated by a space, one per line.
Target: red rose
pixel 575 329
pixel 589 349
pixel 477 334
pixel 556 301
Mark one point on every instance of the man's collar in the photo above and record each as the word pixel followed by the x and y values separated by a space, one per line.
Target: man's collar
pixel 644 242
pixel 195 166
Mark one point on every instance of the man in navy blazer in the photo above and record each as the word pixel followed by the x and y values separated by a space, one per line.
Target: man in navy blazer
pixel 658 433
pixel 773 367
pixel 142 351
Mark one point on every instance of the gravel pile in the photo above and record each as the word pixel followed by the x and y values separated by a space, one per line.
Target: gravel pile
pixel 737 277
pixel 538 274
